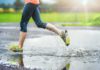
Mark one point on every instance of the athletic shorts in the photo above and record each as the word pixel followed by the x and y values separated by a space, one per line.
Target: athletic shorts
pixel 31 10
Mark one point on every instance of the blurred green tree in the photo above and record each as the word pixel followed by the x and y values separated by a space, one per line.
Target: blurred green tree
pixel 18 5
pixel 62 5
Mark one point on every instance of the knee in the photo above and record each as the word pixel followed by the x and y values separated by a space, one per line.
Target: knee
pixel 41 25
pixel 23 27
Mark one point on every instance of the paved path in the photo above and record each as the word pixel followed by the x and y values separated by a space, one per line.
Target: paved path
pixel 49 51
pixel 66 27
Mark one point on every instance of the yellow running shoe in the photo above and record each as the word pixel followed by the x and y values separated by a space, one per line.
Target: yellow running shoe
pixel 15 48
pixel 66 37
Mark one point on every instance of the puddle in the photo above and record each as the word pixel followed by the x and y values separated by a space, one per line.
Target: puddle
pixel 82 54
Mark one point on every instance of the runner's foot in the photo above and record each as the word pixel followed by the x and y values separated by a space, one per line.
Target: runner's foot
pixel 65 37
pixel 15 48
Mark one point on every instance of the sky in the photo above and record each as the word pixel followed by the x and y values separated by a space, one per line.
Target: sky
pixel 77 2
pixel 48 1
pixel 12 1
pixel 7 1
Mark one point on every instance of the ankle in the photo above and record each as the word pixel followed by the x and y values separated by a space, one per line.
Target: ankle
pixel 20 46
pixel 61 33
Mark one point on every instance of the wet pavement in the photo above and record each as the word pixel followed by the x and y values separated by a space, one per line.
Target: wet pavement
pixel 51 53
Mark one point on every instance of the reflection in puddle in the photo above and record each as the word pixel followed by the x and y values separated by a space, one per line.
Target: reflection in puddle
pixel 75 59
pixel 19 59
pixel 52 62
pixel 67 67
pixel 36 62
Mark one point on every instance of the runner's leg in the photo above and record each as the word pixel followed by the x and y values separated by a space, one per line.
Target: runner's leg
pixel 39 23
pixel 27 12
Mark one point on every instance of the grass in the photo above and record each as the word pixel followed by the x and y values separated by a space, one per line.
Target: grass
pixel 92 19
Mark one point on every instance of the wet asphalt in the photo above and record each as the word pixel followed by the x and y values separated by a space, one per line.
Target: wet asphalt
pixel 82 54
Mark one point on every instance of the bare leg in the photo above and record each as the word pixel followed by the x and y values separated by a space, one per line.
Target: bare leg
pixel 49 27
pixel 61 33
pixel 53 28
pixel 22 39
